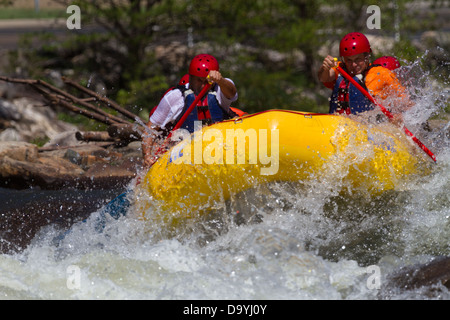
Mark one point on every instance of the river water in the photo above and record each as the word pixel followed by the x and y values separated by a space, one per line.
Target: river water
pixel 304 241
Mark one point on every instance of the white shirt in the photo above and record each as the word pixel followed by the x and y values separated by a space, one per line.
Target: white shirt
pixel 171 105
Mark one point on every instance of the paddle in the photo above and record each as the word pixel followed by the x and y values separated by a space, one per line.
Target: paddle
pixel 191 107
pixel 116 208
pixel 384 110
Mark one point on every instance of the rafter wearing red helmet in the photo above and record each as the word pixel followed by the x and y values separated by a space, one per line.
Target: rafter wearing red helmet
pixel 355 52
pixel 213 107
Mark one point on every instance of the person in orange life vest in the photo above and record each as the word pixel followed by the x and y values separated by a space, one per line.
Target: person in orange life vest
pixel 380 82
pixel 213 107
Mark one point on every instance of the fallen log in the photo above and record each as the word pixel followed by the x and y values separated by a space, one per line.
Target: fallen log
pixel 94 136
pixel 53 148
pixel 47 169
pixel 126 132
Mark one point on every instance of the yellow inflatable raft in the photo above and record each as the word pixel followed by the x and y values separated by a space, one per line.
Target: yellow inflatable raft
pixel 276 145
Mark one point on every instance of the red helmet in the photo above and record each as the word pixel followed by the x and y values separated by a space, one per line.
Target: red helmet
pixel 354 43
pixel 202 64
pixel 388 62
pixel 184 80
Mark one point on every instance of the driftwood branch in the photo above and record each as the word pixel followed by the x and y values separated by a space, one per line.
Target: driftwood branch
pixel 53 148
pixel 108 102
pixel 55 100
pixel 120 128
pixel 37 85
pixel 93 136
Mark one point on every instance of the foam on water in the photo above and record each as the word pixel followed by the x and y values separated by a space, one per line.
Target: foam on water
pixel 300 251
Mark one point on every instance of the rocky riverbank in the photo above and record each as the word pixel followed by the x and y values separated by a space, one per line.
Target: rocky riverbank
pixel 65 160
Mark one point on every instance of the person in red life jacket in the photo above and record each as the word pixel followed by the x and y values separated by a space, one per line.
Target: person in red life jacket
pixel 184 81
pixel 213 107
pixel 379 81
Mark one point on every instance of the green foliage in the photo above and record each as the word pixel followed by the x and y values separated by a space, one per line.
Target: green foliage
pixel 141 92
pixel 40 141
pixel 279 89
pixel 404 50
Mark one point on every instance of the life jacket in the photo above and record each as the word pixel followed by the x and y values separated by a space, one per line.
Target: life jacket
pixel 346 98
pixel 208 109
pixel 239 112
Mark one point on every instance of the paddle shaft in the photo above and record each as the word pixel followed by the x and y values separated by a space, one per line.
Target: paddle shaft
pixel 192 106
pixel 385 111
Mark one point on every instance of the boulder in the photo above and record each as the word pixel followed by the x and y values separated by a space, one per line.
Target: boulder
pixel 18 150
pixel 29 120
pixel 428 276
pixel 65 138
pixel 42 172
pixel 8 111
